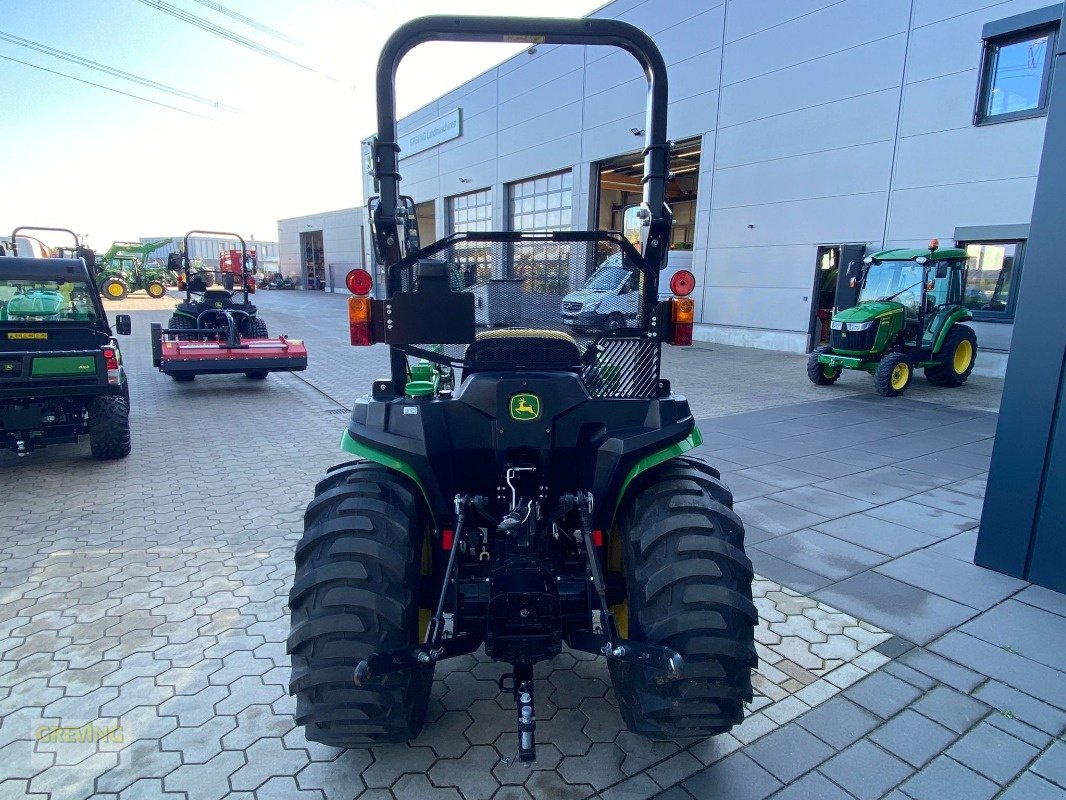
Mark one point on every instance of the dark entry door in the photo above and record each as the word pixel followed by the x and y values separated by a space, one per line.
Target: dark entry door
pixel 849 266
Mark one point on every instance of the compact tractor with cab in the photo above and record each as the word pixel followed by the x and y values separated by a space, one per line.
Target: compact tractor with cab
pixel 523 486
pixel 61 373
pixel 218 331
pixel 124 268
pixel 909 316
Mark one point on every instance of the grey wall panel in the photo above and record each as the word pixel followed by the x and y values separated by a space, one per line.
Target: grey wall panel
pixel 692 116
pixel 617 102
pixel 931 11
pixel 771 308
pixel 529 71
pixel 788 267
pixel 992 335
pixel 967 155
pixel 608 67
pixel 612 138
pixel 543 101
pixel 829 219
pixel 844 171
pixel 470 155
pixel 692 36
pixel 861 70
pixel 563 121
pixel 745 18
pixel 816 35
pixel 936 210
pixel 473 97
pixel 696 75
pixel 942 103
pixel 857 120
pixel 547 157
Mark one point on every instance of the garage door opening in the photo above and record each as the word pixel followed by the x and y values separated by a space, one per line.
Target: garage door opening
pixel 620 186
pixel 313 259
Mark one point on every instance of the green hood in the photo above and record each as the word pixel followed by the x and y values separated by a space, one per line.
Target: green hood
pixel 868 311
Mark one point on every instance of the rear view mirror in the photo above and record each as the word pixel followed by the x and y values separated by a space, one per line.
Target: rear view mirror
pixel 123 324
pixel 633 221
pixel 411 242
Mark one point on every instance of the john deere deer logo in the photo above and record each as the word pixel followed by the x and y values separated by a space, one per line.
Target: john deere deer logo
pixel 525 407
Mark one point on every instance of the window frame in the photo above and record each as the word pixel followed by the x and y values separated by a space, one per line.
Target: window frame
pixel 565 224
pixel 986 74
pixel 1005 316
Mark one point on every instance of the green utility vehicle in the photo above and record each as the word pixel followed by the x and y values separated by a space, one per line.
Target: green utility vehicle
pixel 521 486
pixel 61 372
pixel 909 316
pixel 124 268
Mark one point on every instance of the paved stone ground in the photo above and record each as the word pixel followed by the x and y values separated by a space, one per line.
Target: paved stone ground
pixel 149 594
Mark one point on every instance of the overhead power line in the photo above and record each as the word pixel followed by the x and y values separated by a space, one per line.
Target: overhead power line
pixel 251 23
pixel 229 35
pixel 113 71
pixel 106 88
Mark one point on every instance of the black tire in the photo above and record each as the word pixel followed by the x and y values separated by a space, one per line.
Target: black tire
pixel 181 323
pixel 227 282
pixel 819 373
pixel 355 592
pixel 155 289
pixel 114 289
pixel 255 328
pixel 109 427
pixel 256 374
pixel 893 375
pixel 956 363
pixel 688 586
pixel 614 322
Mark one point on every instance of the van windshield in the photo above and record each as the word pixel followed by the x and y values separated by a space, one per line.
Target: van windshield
pixel 37 300
pixel 606 279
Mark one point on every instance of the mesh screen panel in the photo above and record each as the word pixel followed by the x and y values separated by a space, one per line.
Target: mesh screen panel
pixel 592 291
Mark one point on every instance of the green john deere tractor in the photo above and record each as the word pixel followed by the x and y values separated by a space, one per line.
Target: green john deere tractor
pixel 909 316
pixel 523 485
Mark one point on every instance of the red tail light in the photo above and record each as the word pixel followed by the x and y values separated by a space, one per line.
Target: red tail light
pixel 359 321
pixel 682 283
pixel 682 315
pixel 111 362
pixel 597 538
pixel 359 282
pixel 447 539
pixel 251 285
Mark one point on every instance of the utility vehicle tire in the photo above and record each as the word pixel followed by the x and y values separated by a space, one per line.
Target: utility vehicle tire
pixel 358 568
pixel 227 283
pixel 114 289
pixel 256 374
pixel 255 328
pixel 821 374
pixel 184 377
pixel 181 323
pixel 155 289
pixel 109 427
pixel 893 375
pixel 688 585
pixel 614 322
pixel 957 358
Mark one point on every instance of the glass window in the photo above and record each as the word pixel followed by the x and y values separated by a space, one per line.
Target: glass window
pixel 1015 75
pixel 472 212
pixel 25 299
pixel 529 199
pixel 992 278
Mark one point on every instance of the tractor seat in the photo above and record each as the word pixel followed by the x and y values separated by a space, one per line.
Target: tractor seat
pixel 523 349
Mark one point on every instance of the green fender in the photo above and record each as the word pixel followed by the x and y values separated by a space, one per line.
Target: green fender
pixel 958 315
pixel 350 445
pixel 693 440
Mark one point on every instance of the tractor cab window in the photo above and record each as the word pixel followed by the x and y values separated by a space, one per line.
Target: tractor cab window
pixel 899 281
pixel 26 299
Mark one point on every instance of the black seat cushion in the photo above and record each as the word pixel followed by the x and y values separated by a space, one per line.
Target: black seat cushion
pixel 523 350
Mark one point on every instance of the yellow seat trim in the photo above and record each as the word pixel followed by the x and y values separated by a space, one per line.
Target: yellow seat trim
pixel 526 333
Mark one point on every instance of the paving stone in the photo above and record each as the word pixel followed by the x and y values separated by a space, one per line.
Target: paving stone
pixel 639 787
pixel 472 774
pixel 208 781
pixel 267 758
pixel 814 786
pixel 943 670
pixel 675 769
pixel 1033 787
pixel 839 722
pixel 776 517
pixel 951 709
pixel 735 777
pixel 1037 634
pixel 1052 764
pixel 789 752
pixel 912 737
pixel 821 553
pixel 935 521
pixel 883 694
pixel 993 753
pixel 390 762
pixel 946 777
pixel 949 577
pixel 865 770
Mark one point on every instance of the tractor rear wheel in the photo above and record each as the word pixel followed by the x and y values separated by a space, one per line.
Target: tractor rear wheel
pixel 114 289
pixel 688 586
pixel 183 377
pixel 109 427
pixel 255 328
pixel 155 289
pixel 256 374
pixel 818 373
pixel 893 375
pixel 358 568
pixel 957 357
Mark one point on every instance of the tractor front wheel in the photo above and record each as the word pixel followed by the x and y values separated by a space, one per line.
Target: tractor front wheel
pixel 355 593
pixel 155 289
pixel 181 323
pixel 114 289
pixel 893 375
pixel 957 357
pixel 255 328
pixel 256 374
pixel 109 427
pixel 819 373
pixel 688 587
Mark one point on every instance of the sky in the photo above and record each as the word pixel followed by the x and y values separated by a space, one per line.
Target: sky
pixel 249 139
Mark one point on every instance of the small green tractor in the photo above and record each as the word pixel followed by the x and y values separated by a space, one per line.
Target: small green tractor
pixel 909 316
pixel 124 268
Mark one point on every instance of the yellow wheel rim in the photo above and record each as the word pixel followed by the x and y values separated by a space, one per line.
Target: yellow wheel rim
pixel 900 375
pixel 156 291
pixel 963 356
pixel 115 290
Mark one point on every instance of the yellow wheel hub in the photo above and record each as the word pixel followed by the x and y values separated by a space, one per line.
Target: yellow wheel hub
pixel 156 291
pixel 963 356
pixel 114 290
pixel 900 375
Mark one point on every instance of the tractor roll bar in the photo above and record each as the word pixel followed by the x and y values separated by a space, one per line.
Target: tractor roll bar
pixel 535 30
pixel 14 233
pixel 244 258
